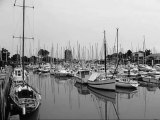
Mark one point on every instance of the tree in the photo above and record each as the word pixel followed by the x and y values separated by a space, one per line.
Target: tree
pixel 129 54
pixel 33 59
pixel 43 53
pixel 26 59
pixel 15 57
pixel 147 52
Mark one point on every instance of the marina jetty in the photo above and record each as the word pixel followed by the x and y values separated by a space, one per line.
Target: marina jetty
pixel 5 74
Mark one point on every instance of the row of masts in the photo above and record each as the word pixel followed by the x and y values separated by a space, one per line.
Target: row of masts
pixel 81 51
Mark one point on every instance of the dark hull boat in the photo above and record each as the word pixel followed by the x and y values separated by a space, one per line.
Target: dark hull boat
pixel 25 98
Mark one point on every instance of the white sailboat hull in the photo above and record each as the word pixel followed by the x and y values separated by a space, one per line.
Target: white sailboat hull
pixel 126 83
pixel 108 84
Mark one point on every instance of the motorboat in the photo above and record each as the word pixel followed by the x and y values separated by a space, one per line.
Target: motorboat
pixel 126 82
pixel 63 73
pixel 150 79
pixel 82 75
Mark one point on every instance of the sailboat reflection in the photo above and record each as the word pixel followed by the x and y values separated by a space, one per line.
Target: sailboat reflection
pixel 151 87
pixel 32 116
pixel 106 100
pixel 82 88
pixel 129 92
pixel 61 80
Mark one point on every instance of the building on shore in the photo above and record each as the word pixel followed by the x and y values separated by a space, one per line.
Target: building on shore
pixel 138 57
pixel 68 55
pixel 153 59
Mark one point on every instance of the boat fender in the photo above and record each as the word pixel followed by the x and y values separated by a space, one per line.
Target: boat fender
pixel 24 110
pixel 11 106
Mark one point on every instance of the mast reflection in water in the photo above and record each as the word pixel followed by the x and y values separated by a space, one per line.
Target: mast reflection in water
pixel 63 98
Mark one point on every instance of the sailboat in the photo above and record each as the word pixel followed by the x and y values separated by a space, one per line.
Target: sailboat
pixel 23 96
pixel 100 80
pixel 124 82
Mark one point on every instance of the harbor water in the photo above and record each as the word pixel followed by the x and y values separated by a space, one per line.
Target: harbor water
pixel 63 98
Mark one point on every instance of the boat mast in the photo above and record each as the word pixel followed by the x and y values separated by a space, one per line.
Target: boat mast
pixel 116 65
pixel 117 46
pixel 144 51
pixel 23 38
pixel 105 51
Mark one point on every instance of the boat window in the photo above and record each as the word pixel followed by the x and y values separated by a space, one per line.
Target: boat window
pixel 87 73
pixel 101 68
pixel 25 94
pixel 19 73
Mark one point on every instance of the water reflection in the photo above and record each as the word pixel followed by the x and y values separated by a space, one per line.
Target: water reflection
pixel 150 86
pixel 82 89
pixel 107 109
pixel 66 99
pixel 32 116
pixel 14 115
pixel 129 93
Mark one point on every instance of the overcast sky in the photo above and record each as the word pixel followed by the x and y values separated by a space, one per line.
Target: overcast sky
pixel 61 21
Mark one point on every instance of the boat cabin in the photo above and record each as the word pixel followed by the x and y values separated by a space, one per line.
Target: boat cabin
pixel 18 75
pixel 25 92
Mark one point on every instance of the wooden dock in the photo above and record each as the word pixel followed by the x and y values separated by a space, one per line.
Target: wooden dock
pixel 4 90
